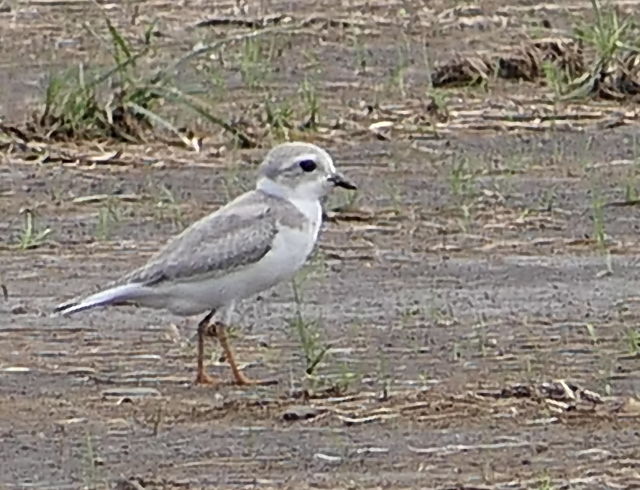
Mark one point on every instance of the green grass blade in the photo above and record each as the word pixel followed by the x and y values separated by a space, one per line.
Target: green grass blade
pixel 119 42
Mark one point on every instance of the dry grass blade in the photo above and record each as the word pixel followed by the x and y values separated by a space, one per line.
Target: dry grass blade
pixel 252 23
pixel 464 448
pixel 522 63
pixel 175 95
pixel 153 117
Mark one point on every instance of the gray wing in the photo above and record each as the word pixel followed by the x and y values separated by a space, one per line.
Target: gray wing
pixel 233 237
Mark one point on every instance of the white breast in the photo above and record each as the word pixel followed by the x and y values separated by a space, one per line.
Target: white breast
pixel 292 246
pixel 312 210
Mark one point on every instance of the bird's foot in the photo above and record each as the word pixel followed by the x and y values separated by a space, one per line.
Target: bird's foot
pixel 241 380
pixel 203 378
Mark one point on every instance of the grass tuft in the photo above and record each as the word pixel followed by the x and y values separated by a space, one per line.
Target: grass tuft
pixel 308 333
pixel 278 117
pixel 124 100
pixel 32 236
pixel 599 230
pixel 108 216
pixel 88 103
pixel 633 341
pixel 311 103
pixel 614 41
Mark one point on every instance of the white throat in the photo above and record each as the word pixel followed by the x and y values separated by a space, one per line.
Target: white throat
pixel 309 206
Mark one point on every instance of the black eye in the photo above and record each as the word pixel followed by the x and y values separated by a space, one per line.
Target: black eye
pixel 308 165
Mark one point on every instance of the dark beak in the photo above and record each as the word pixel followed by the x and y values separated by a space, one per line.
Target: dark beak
pixel 340 180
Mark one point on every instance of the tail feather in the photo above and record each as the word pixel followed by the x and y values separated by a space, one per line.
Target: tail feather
pixel 112 296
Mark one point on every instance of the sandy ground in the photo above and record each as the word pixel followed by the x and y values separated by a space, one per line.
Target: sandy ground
pixel 479 297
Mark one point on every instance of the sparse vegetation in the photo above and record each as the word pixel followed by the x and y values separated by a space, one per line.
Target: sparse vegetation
pixel 254 62
pixel 463 188
pixel 311 104
pixel 556 79
pixel 545 483
pixel 279 117
pixel 439 103
pixel 168 207
pixel 633 341
pixel 614 40
pixel 608 33
pixel 92 475
pixel 124 100
pixel 599 232
pixel 462 179
pixel 76 107
pixel 109 215
pixel 32 236
pixel 308 332
pixel 630 189
pixel 347 378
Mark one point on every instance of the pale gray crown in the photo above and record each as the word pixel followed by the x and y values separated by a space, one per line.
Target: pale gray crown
pixel 282 163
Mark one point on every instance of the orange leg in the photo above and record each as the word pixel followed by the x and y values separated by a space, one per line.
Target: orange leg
pixel 202 377
pixel 240 378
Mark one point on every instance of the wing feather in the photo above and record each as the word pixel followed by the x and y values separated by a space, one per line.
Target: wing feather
pixel 233 237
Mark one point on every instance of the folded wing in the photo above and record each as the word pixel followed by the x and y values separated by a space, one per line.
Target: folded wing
pixel 216 245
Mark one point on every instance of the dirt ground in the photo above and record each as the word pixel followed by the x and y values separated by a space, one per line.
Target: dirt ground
pixel 480 296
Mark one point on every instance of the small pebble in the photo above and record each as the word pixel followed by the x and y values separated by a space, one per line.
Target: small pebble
pixel 300 412
pixel 18 310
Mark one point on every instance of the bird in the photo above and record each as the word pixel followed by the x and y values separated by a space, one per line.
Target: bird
pixel 257 240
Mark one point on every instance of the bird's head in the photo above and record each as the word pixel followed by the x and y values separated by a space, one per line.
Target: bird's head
pixel 299 170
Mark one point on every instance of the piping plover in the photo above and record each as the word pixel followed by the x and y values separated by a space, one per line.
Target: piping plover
pixel 254 242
